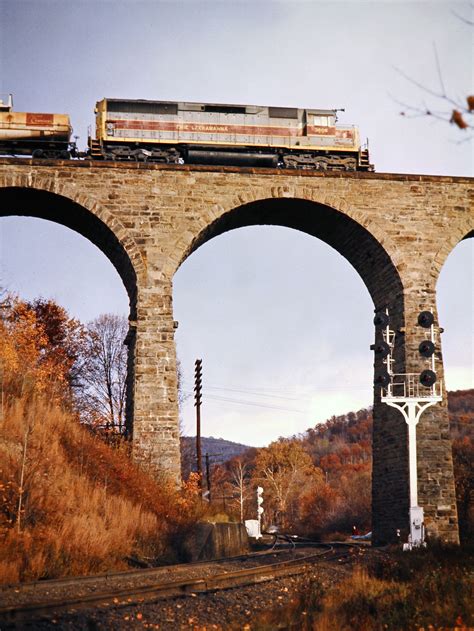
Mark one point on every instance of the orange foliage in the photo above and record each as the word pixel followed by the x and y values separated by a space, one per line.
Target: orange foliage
pixel 40 344
pixel 86 506
pixel 284 469
pixel 70 504
pixel 316 508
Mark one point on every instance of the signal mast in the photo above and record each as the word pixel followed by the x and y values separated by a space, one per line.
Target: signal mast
pixel 411 394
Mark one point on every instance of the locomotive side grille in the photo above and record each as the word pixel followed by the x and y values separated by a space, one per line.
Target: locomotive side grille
pixel 283 112
pixel 142 107
pixel 225 109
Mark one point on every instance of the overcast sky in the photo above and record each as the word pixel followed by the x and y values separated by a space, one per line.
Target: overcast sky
pixel 282 322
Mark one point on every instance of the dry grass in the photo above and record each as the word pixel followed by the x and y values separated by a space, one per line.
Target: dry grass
pixel 74 505
pixel 419 590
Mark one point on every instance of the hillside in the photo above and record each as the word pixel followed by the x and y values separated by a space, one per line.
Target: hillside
pixel 218 449
pixel 340 452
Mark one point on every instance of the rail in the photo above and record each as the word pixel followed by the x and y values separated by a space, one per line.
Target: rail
pixel 109 596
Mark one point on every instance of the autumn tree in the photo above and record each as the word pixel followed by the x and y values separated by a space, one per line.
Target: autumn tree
pixel 285 470
pixel 318 508
pixel 40 350
pixel 239 484
pixel 65 337
pixel 103 374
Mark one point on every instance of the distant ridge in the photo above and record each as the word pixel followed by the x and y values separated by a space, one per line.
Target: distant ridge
pixel 219 451
pixel 353 427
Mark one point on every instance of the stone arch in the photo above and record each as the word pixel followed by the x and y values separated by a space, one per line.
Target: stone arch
pixel 373 256
pixel 96 225
pixel 339 228
pixel 464 231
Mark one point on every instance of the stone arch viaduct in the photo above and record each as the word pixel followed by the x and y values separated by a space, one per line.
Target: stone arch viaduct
pixel 395 230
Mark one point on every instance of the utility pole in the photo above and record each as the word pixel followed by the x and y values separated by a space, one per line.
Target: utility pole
pixel 197 403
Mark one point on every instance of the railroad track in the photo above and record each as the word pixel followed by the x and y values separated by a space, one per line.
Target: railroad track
pixel 148 586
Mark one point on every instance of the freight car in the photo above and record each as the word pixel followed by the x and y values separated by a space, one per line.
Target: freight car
pixel 34 134
pixel 245 135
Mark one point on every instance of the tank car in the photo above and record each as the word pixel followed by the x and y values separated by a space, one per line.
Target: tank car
pixel 34 134
pixel 209 133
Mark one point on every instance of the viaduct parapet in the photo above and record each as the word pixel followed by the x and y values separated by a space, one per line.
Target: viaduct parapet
pixel 395 230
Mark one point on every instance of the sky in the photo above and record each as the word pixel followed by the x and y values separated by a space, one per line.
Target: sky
pixel 282 322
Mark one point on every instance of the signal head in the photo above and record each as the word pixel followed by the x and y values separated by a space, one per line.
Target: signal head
pixel 427 378
pixel 426 348
pixel 381 319
pixel 382 378
pixel 382 349
pixel 425 319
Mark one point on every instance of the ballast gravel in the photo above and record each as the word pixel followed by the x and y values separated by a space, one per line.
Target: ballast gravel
pixel 224 610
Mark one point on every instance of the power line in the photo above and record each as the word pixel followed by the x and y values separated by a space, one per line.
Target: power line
pixel 215 397
pixel 255 392
pixel 270 393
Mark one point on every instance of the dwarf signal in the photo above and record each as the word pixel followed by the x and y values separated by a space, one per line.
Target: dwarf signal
pixel 259 500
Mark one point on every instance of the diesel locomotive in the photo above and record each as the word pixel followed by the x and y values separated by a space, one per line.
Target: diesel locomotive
pixel 194 133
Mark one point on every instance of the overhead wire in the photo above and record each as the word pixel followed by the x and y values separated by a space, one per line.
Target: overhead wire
pixel 273 393
pixel 214 397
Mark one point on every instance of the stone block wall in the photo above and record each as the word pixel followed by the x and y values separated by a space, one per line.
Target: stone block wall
pixel 396 230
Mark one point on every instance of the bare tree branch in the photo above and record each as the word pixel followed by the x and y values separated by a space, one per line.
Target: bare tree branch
pixel 460 110
pixel 462 18
pixel 104 372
